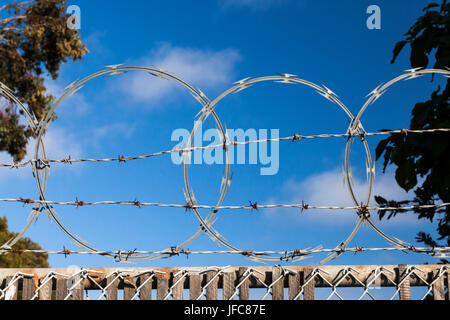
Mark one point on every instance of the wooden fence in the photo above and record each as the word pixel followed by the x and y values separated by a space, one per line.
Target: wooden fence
pixel 212 283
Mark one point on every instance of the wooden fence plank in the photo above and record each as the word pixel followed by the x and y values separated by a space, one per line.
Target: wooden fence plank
pixel 439 288
pixel 229 285
pixel 61 289
pixel 278 287
pixel 78 291
pixel 447 281
pixel 177 291
pixel 294 285
pixel 145 293
pixel 405 289
pixel 244 289
pixel 113 287
pixel 211 290
pixel 309 289
pixel 129 288
pixel 162 287
pixel 28 287
pixel 45 292
pixel 11 293
pixel 195 285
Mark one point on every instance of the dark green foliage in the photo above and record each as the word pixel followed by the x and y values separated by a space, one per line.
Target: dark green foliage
pixel 34 39
pixel 424 155
pixel 20 260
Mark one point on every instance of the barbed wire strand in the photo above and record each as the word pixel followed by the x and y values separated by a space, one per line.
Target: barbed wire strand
pixel 295 137
pixel 252 206
pixel 288 253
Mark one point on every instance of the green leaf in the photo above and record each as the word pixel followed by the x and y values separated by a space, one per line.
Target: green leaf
pixel 398 47
pixel 405 175
pixel 381 147
pixel 431 5
pixel 418 56
pixel 380 200
pixel 387 157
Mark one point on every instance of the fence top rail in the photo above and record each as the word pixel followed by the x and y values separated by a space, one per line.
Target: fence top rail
pixel 139 270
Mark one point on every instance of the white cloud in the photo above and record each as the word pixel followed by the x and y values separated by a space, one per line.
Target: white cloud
pixel 102 133
pixel 205 69
pixel 58 145
pixel 95 43
pixel 328 189
pixel 116 128
pixel 74 105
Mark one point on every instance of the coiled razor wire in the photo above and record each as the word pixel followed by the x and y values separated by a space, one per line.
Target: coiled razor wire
pixel 40 166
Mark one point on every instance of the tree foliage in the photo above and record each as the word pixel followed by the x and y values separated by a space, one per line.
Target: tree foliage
pixel 424 155
pixel 34 42
pixel 20 260
pixel 34 38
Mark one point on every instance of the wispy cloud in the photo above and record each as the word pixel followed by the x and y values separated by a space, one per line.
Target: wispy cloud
pixel 202 68
pixel 116 128
pixel 327 189
pixel 58 143
pixel 95 43
pixel 76 104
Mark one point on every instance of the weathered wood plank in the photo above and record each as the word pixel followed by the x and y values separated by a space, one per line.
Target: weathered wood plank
pixel 244 288
pixel 28 287
pixel 113 287
pixel 278 287
pixel 162 287
pixel 77 292
pixel 405 289
pixel 309 289
pixel 195 286
pixel 439 288
pixel 45 292
pixel 211 290
pixel 294 285
pixel 129 288
pixel 61 289
pixel 11 293
pixel 447 281
pixel 145 293
pixel 229 286
pixel 177 291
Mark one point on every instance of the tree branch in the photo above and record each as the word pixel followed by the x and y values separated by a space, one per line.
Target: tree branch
pixel 19 5
pixel 8 20
pixel 9 29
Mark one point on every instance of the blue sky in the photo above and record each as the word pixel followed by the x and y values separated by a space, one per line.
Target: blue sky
pixel 212 44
